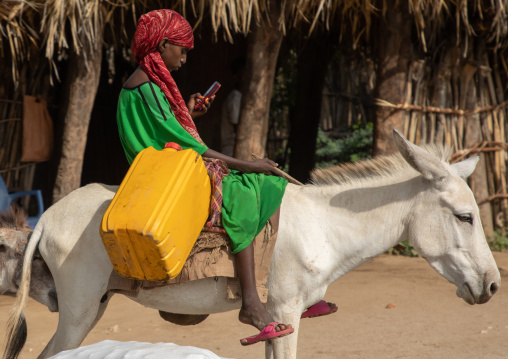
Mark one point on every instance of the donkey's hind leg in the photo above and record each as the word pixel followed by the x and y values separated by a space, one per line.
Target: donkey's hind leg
pixel 75 322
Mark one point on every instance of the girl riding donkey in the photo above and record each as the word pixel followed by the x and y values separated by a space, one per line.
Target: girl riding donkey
pixel 151 112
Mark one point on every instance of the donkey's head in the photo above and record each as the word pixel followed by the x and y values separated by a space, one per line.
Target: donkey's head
pixel 445 226
pixel 14 236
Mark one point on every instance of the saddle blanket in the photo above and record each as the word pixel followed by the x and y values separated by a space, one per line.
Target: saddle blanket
pixel 211 257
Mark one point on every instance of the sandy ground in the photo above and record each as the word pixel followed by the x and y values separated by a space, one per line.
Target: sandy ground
pixel 427 321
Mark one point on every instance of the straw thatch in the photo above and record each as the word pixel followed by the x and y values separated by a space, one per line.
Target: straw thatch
pixel 45 22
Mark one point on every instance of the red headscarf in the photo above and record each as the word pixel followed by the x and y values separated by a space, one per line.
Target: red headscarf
pixel 152 28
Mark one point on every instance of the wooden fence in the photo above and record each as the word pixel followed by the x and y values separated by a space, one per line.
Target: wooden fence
pixel 16 175
pixel 454 100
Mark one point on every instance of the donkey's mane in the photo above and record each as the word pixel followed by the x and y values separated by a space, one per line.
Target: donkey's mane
pixel 13 218
pixel 382 166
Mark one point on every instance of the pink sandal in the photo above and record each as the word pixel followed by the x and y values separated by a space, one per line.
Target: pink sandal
pixel 267 333
pixel 319 309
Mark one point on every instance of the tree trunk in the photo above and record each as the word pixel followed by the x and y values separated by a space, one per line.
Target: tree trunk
pixel 393 52
pixel 263 49
pixel 473 135
pixel 82 87
pixel 312 68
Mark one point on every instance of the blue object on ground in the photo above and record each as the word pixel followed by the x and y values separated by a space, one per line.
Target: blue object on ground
pixel 6 199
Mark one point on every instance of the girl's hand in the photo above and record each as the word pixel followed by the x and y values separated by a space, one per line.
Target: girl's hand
pixel 192 102
pixel 263 165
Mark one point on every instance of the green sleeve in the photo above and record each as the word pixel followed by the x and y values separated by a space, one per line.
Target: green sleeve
pixel 145 119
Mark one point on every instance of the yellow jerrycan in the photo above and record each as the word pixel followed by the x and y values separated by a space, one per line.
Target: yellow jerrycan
pixel 157 214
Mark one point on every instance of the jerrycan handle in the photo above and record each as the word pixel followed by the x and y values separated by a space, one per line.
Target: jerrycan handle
pixel 173 145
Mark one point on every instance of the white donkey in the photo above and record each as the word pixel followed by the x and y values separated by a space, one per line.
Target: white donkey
pixel 349 215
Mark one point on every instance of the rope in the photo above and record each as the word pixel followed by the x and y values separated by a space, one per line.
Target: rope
pixel 16 168
pixel 448 111
pixel 482 146
pixel 494 196
pixel 11 101
pixel 10 119
pixel 15 102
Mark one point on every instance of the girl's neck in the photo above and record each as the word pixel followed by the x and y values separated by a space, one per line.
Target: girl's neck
pixel 137 78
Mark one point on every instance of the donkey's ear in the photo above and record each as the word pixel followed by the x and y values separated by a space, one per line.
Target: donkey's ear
pixel 427 164
pixel 465 168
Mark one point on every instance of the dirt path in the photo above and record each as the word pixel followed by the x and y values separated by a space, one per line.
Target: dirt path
pixel 428 320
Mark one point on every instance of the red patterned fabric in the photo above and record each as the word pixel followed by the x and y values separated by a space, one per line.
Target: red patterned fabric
pixel 217 170
pixel 152 28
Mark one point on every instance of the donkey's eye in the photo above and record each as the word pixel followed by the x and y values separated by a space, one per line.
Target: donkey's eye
pixel 3 248
pixel 465 218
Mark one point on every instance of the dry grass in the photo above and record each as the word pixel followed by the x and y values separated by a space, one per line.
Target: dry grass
pixel 64 24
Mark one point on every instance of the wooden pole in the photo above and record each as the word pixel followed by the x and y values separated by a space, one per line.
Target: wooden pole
pixel 316 55
pixel 473 134
pixel 392 56
pixel 263 49
pixel 82 85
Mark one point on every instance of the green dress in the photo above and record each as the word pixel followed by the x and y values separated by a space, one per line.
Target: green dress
pixel 144 119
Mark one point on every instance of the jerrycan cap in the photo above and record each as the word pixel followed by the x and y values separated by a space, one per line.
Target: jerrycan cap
pixel 173 145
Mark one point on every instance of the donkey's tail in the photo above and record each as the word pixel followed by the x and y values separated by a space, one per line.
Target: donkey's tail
pixel 16 326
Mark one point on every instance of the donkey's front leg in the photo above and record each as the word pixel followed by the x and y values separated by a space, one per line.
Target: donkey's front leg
pixel 285 347
pixel 287 311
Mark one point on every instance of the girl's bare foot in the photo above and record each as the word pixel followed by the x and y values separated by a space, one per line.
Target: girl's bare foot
pixel 259 318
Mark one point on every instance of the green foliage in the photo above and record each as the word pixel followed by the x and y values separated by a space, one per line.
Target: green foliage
pixel 284 90
pixel 355 146
pixel 499 241
pixel 409 251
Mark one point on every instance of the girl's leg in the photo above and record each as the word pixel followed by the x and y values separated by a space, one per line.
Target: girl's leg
pixel 253 311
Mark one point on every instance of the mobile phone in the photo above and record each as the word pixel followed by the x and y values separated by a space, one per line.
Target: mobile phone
pixel 211 91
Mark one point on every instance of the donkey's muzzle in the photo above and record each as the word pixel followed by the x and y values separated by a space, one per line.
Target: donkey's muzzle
pixel 491 285
pixel 490 289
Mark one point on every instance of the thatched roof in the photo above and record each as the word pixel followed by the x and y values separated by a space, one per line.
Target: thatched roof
pixel 55 25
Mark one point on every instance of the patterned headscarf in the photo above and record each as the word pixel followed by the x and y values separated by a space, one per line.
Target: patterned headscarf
pixel 152 28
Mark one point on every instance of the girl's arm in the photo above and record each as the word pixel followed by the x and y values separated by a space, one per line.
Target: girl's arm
pixel 264 165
